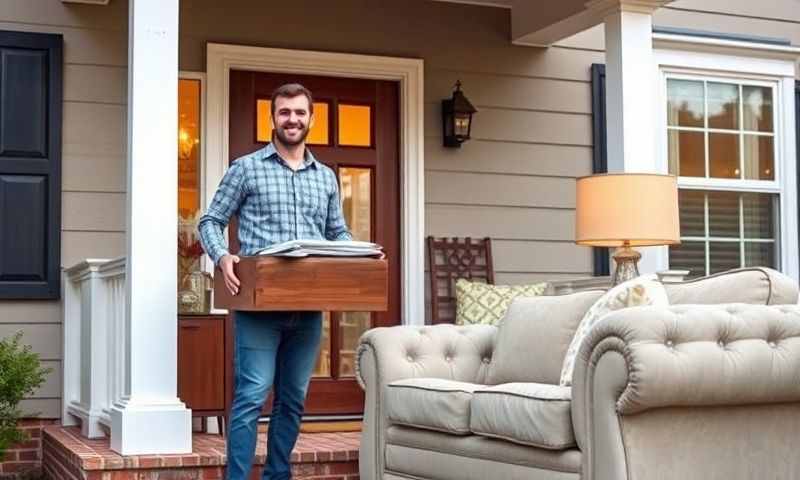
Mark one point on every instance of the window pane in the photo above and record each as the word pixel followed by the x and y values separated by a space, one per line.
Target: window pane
pixel 688 256
pixel 692 213
pixel 723 105
pixel 318 135
pixel 687 154
pixel 759 215
pixel 356 188
pixel 352 325
pixel 759 162
pixel 723 214
pixel 188 146
pixel 323 368
pixel 723 155
pixel 759 254
pixel 724 256
pixel 757 104
pixel 685 103
pixel 355 125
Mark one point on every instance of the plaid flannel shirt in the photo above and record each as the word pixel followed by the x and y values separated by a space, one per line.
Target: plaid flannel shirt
pixel 274 203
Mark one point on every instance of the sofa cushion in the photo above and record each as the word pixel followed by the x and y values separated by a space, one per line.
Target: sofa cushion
pixel 527 413
pixel 640 291
pixel 534 336
pixel 482 303
pixel 755 285
pixel 431 403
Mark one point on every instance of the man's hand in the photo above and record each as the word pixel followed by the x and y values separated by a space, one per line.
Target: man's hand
pixel 226 265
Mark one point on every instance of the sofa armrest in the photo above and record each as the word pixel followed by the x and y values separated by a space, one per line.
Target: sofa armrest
pixel 387 354
pixel 648 358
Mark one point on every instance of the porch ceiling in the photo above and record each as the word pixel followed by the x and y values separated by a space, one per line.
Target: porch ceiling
pixel 544 23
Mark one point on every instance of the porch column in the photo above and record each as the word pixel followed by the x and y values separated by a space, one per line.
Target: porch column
pixel 149 418
pixel 631 94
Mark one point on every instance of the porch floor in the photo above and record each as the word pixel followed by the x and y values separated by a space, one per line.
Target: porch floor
pixel 66 455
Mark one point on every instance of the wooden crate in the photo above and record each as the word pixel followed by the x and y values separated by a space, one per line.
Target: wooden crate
pixel 342 284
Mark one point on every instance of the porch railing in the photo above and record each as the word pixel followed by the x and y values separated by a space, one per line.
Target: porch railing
pixel 94 343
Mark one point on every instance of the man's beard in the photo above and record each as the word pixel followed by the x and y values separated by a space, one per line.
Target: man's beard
pixel 291 143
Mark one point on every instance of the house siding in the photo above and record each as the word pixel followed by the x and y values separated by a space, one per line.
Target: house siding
pixel 513 182
pixel 93 162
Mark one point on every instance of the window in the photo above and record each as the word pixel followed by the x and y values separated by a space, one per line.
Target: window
pixel 721 143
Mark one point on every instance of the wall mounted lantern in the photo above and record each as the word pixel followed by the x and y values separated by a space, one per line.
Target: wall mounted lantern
pixel 457 118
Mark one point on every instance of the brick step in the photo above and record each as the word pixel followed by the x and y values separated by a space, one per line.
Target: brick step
pixel 66 455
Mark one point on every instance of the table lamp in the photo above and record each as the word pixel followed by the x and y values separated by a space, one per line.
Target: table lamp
pixel 627 210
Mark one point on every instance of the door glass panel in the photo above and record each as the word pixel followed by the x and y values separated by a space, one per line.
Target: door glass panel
pixel 355 125
pixel 323 368
pixel 759 162
pixel 192 296
pixel 723 106
pixel 356 188
pixel 318 135
pixel 685 103
pixel 351 326
pixel 757 108
pixel 723 155
pixel 687 153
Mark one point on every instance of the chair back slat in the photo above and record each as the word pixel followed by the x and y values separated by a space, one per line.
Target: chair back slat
pixel 450 259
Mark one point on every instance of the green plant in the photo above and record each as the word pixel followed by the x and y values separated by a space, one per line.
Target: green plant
pixel 20 375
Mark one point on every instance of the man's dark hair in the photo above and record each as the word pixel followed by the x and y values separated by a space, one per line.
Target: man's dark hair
pixel 291 90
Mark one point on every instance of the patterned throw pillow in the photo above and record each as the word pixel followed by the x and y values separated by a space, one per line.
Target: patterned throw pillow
pixel 482 303
pixel 640 291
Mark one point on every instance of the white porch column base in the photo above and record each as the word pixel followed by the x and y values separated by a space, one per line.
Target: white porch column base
pixel 631 97
pixel 139 428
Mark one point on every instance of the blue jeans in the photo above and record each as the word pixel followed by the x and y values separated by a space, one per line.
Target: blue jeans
pixel 271 348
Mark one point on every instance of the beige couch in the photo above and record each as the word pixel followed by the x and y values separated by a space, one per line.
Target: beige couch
pixel 686 392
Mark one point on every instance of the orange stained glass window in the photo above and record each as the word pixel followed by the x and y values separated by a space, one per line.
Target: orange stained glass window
pixel 319 131
pixel 355 125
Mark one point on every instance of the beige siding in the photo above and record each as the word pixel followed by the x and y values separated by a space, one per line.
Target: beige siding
pixel 93 160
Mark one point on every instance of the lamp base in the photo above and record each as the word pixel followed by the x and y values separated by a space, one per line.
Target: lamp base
pixel 626 259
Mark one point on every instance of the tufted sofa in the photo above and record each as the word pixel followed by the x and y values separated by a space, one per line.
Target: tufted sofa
pixel 708 388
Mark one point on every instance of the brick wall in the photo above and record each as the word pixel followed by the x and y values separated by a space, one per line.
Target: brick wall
pixel 25 457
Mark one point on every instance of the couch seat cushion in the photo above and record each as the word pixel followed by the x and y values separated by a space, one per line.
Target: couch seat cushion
pixel 431 403
pixel 534 414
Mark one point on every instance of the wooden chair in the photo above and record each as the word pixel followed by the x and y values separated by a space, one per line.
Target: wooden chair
pixel 450 259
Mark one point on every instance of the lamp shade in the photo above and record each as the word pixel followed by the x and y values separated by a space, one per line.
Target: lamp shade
pixel 627 208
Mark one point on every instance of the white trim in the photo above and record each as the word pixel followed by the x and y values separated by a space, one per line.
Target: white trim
pixel 221 59
pixel 749 63
pixel 720 45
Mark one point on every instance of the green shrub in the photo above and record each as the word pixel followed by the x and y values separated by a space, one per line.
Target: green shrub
pixel 20 375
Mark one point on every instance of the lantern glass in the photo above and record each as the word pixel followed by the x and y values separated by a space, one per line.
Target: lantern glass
pixel 462 124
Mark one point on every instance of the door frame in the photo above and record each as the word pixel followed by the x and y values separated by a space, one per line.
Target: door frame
pixel 222 58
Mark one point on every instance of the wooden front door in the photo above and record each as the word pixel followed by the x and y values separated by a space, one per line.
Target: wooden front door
pixel 356 133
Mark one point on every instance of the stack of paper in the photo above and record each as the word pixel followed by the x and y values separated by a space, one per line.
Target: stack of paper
pixel 304 248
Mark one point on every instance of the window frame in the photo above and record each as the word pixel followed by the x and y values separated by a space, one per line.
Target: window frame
pixel 749 67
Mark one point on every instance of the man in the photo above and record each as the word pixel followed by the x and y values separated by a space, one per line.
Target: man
pixel 280 193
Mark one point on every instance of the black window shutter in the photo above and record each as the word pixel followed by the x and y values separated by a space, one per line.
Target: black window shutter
pixel 30 165
pixel 599 150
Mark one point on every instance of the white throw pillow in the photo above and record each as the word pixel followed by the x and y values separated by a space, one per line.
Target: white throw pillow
pixel 640 291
